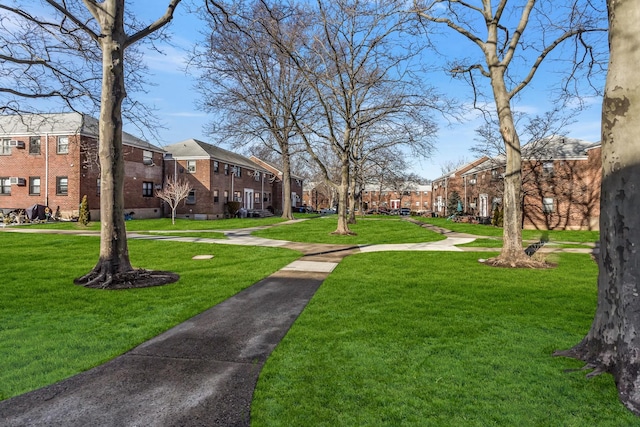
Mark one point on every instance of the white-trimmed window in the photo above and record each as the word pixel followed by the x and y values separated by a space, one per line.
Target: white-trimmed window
pixel 216 196
pixel 216 166
pixel 226 196
pixel 547 168
pixel 147 157
pixel 147 189
pixel 62 145
pixel 34 145
pixel 256 198
pixel 191 166
pixel 548 205
pixel 5 185
pixel 238 171
pixel 226 169
pixel 256 176
pixel 62 185
pixel 5 148
pixel 34 185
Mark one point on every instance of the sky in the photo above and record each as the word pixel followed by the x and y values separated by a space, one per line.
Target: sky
pixel 174 96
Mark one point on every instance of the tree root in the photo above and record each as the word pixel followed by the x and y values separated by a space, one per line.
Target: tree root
pixel 136 278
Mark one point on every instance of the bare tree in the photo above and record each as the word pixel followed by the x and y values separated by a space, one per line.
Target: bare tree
pixel 173 193
pixel 244 74
pixel 80 50
pixel 360 73
pixel 499 33
pixel 613 344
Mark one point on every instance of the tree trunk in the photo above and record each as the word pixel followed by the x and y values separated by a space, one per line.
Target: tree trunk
pixel 286 185
pixel 512 254
pixel 351 195
pixel 613 343
pixel 343 190
pixel 114 254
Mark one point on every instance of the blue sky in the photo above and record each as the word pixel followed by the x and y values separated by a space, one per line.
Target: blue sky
pixel 175 98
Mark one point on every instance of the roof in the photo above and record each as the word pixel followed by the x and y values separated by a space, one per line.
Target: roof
pixel 62 124
pixel 194 149
pixel 276 169
pixel 556 147
pixel 462 169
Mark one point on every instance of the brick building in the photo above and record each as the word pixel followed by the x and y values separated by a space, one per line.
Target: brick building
pixel 218 176
pixel 455 181
pixel 560 185
pixel 51 160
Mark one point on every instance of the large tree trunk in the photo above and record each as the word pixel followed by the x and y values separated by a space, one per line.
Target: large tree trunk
pixel 114 269
pixel 286 185
pixel 114 254
pixel 613 343
pixel 512 254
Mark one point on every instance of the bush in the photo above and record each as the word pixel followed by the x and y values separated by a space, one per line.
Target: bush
pixel 233 208
pixel 84 211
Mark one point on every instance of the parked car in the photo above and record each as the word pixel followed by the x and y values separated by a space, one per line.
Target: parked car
pixel 328 211
pixel 405 211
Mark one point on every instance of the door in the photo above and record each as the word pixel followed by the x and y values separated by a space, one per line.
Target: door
pixel 248 198
pixel 484 205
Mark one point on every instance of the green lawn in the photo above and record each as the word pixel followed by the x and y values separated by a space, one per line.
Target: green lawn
pixel 370 230
pixel 438 339
pixel 51 329
pixel 390 338
pixel 165 224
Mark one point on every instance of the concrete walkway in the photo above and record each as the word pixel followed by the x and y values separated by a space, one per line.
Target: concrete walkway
pixel 203 371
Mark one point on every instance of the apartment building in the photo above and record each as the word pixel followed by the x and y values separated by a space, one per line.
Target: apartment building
pixel 52 160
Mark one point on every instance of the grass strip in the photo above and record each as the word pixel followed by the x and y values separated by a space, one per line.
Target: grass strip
pixel 439 339
pixel 51 329
pixel 575 236
pixel 378 230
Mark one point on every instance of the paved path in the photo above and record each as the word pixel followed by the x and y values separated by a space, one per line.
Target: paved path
pixel 203 371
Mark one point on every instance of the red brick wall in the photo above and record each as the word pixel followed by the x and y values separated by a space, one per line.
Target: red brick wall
pixel 80 166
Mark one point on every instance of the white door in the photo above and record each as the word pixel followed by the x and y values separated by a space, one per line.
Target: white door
pixel 248 198
pixel 484 205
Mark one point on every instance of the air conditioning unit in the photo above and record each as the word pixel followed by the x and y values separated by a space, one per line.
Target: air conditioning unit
pixel 14 180
pixel 16 143
pixel 472 181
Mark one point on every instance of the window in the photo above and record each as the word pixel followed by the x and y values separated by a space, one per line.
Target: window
pixel 256 198
pixel 256 175
pixel 98 187
pixel 216 196
pixel 5 149
pixel 62 185
pixel 191 166
pixel 5 185
pixel 34 185
pixel 62 146
pixel 238 171
pixel 226 169
pixel 547 168
pixel 191 198
pixel 547 205
pixel 147 157
pixel 216 166
pixel 226 196
pixel 34 145
pixel 237 196
pixel 147 189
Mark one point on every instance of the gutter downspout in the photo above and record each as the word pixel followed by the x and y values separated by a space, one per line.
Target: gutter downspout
pixel 46 170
